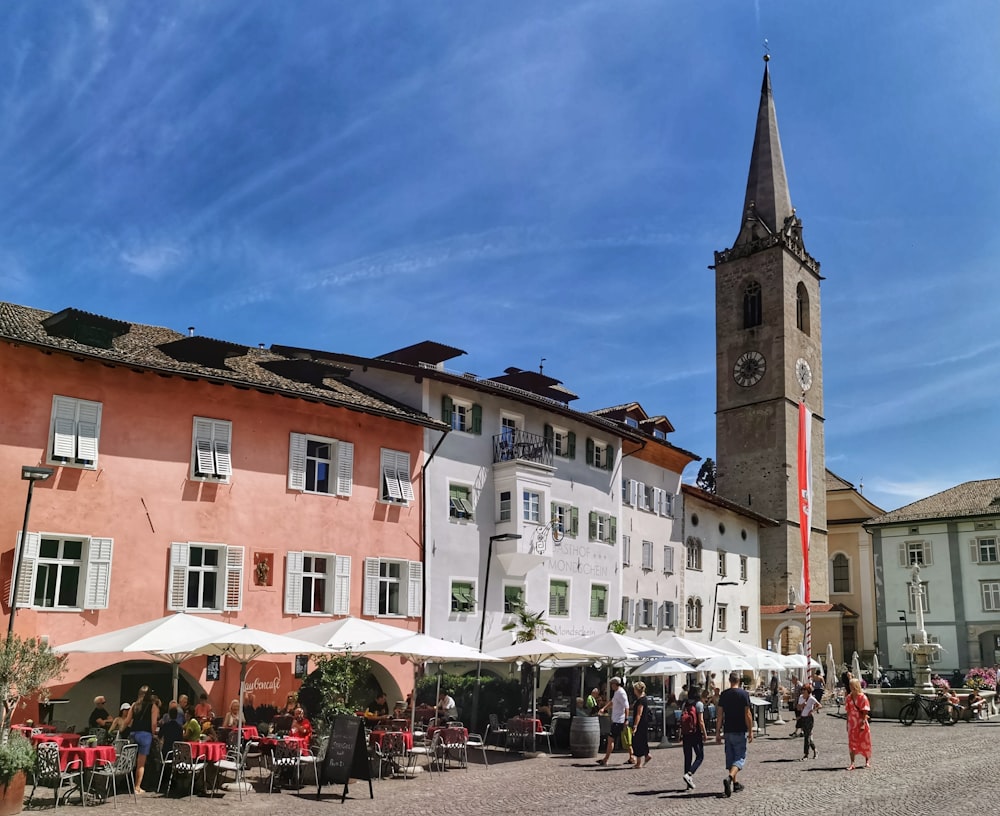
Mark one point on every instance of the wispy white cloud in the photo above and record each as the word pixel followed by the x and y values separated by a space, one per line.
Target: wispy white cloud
pixel 151 261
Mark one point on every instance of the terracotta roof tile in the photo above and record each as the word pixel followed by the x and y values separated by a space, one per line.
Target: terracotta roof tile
pixel 979 498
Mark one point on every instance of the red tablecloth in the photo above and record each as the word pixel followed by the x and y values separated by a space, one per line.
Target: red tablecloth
pixel 64 740
pixel 271 742
pixel 378 736
pixel 212 751
pixel 249 732
pixel 27 729
pixel 523 725
pixel 432 730
pixel 88 755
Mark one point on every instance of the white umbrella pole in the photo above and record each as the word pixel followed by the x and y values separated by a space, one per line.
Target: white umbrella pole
pixel 175 667
pixel 438 689
pixel 663 684
pixel 413 702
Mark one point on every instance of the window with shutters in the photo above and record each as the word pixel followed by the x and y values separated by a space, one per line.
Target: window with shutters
pixel 990 591
pixel 743 568
pixel 668 559
pixel 317 464
pixel 513 598
pixel 744 618
pixel 647 614
pixel 598 601
pixel 563 443
pixel 393 587
pixel 626 550
pixel 565 519
pixel 693 613
pixel 647 555
pixel 531 503
pixel 462 415
pixel 603 527
pixel 64 572
pixel 211 457
pixel 558 598
pixel 915 553
pixel 463 596
pixel 504 506
pixel 984 550
pixel 722 563
pixel 925 599
pixel 721 617
pixel 600 454
pixel 693 548
pixel 74 429
pixel 460 502
pixel 205 577
pixel 396 485
pixel 317 584
pixel 661 502
pixel 667 615
pixel 840 573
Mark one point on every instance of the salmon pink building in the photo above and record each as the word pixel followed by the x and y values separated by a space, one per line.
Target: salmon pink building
pixel 199 475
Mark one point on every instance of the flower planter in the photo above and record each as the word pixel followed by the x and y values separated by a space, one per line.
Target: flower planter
pixel 12 794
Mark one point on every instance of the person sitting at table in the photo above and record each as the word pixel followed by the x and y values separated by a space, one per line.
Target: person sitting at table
pixel 233 717
pixel 203 711
pixel 582 709
pixel 291 703
pixel 300 725
pixel 208 732
pixel 170 731
pixel 99 717
pixel 378 709
pixel 117 725
pixel 192 728
pixel 446 708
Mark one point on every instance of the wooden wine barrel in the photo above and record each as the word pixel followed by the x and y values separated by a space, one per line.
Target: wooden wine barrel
pixel 584 736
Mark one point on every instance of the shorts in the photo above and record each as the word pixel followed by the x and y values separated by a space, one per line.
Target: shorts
pixel 616 729
pixel 144 740
pixel 736 750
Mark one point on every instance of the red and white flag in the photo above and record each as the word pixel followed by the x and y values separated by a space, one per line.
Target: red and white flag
pixel 805 494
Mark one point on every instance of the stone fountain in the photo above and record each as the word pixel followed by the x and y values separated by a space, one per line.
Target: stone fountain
pixel 920 649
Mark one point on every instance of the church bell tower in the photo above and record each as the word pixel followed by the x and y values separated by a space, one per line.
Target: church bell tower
pixel 769 358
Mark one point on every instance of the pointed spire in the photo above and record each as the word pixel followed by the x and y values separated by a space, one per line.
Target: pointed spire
pixel 767 202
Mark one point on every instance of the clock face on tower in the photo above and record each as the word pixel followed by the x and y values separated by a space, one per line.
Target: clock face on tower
pixel 803 374
pixel 749 368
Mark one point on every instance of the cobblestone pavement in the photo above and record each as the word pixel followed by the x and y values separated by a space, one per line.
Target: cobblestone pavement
pixel 923 769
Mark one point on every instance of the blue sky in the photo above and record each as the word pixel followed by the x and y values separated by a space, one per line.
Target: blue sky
pixel 526 180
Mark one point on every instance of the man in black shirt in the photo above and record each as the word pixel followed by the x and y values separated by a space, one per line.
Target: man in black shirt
pixel 99 717
pixel 735 722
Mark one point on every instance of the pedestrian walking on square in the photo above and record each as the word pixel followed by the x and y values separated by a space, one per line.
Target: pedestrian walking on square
pixel 693 735
pixel 859 734
pixel 818 686
pixel 806 706
pixel 736 725
pixel 619 717
pixel 642 719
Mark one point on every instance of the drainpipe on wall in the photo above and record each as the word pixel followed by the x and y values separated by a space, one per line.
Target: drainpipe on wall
pixel 423 527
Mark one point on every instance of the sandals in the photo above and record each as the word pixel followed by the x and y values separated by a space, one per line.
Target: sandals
pixel 602 762
pixel 850 767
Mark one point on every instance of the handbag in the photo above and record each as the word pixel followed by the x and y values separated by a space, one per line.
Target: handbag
pixel 627 736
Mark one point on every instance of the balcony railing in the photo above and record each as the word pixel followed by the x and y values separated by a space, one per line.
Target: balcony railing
pixel 514 444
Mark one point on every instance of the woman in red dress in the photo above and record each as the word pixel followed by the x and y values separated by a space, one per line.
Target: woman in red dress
pixel 859 734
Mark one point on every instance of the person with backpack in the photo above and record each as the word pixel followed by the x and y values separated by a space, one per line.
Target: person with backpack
pixel 693 735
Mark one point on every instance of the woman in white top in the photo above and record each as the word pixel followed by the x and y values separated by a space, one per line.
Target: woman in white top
pixel 807 705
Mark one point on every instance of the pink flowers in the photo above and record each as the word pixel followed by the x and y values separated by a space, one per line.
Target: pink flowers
pixel 981 678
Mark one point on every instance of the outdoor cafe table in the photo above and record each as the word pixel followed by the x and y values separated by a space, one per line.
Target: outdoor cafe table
pixel 248 732
pixel 64 740
pixel 28 729
pixel 379 735
pixel 519 729
pixel 271 742
pixel 88 756
pixel 436 728
pixel 209 751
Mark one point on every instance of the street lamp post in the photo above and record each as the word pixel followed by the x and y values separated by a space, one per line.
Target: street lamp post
pixel 482 620
pixel 30 474
pixel 715 604
pixel 906 628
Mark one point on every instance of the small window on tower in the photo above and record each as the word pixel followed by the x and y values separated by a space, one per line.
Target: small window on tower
pixel 802 308
pixel 752 306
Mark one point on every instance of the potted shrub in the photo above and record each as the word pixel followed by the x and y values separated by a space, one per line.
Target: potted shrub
pixel 26 665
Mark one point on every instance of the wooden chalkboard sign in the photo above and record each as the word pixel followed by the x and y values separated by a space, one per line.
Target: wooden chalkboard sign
pixel 346 756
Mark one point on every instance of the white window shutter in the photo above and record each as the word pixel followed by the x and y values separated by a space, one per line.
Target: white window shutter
pixel 641 496
pixel 370 601
pixel 28 556
pixel 88 429
pixel 233 601
pixel 415 589
pixel 904 561
pixel 974 550
pixel 177 589
pixel 668 559
pixel 98 582
pixel 388 462
pixel 345 468
pixel 64 427
pixel 633 487
pixel 342 585
pixel 296 461
pixel 403 472
pixel 293 583
pixel 631 613
pixel 223 438
pixel 928 559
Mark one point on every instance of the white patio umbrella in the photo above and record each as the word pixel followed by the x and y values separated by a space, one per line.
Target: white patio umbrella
pixel 662 668
pixel 725 663
pixel 798 661
pixel 760 659
pixel 419 648
pixel 876 672
pixel 534 652
pixel 686 649
pixel 831 667
pixel 164 638
pixel 856 665
pixel 615 648
pixel 350 634
pixel 244 645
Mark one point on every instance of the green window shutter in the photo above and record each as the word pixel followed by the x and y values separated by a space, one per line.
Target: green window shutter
pixel 477 419
pixel 574 516
pixel 612 530
pixel 447 407
pixel 593 525
pixel 590 451
pixel 593 602
pixel 550 436
pixel 571 445
pixel 609 453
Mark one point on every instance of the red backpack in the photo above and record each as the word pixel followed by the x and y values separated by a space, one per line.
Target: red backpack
pixel 689 718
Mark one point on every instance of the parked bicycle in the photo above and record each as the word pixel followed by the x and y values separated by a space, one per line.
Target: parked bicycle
pixel 936 709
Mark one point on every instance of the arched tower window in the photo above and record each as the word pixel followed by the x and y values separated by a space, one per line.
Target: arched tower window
pixel 802 308
pixel 840 573
pixel 752 307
